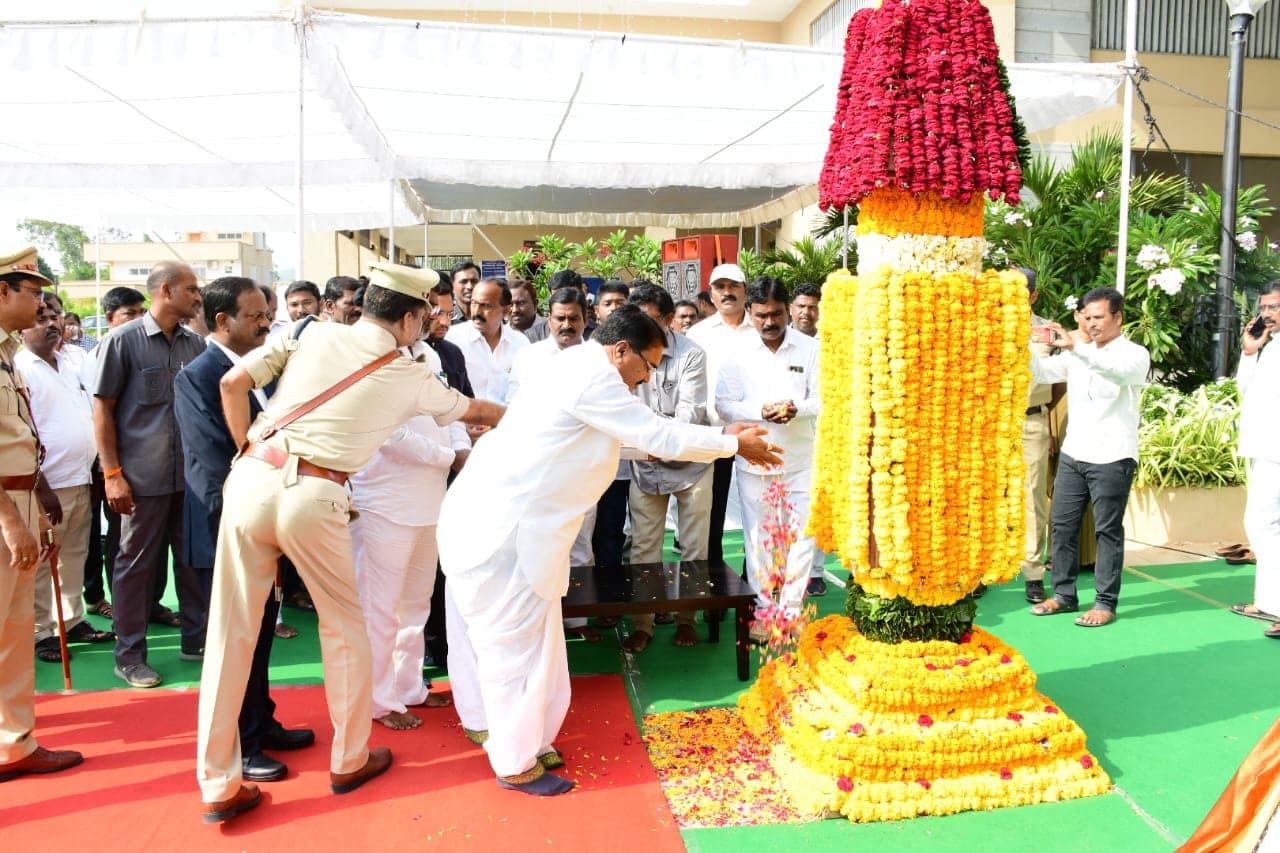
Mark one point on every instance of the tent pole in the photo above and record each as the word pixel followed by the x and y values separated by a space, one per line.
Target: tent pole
pixel 299 12
pixel 97 270
pixel 757 240
pixel 391 218
pixel 1126 132
pixel 492 245
pixel 426 235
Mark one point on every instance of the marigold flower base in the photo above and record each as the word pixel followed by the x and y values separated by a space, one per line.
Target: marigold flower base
pixel 875 732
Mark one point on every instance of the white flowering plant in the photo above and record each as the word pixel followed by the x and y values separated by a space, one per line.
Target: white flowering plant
pixel 1067 233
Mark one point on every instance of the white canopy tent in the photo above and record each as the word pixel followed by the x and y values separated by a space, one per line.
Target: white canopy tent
pixel 173 124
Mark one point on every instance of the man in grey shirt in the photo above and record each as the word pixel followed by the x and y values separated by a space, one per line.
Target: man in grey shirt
pixel 677 389
pixel 141 453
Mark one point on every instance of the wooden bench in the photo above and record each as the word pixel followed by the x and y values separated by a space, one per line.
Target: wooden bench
pixel 663 588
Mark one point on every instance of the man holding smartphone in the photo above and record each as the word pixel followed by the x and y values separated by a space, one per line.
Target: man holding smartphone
pixel 1259 380
pixel 1104 379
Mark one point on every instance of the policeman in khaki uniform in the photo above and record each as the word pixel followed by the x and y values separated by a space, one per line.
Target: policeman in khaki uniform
pixel 26 537
pixel 1035 452
pixel 285 495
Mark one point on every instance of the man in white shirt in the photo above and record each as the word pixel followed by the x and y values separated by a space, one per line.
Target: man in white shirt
pixel 773 380
pixel 506 530
pixel 398 496
pixel 806 306
pixel 1259 379
pixel 718 335
pixel 63 416
pixel 1104 379
pixel 490 345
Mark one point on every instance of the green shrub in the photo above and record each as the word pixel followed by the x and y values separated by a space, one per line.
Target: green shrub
pixel 1190 439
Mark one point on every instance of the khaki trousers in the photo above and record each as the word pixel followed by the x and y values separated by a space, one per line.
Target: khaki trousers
pixel 17 666
pixel 268 512
pixel 1035 452
pixel 73 534
pixel 649 527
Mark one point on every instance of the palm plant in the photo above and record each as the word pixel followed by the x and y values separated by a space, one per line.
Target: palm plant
pixel 808 260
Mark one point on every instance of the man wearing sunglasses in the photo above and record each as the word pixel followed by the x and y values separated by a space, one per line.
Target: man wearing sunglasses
pixel 505 531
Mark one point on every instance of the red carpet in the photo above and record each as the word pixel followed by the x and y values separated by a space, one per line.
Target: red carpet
pixel 137 788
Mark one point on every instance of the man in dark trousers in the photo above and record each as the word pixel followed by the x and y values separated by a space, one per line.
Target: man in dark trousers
pixel 236 312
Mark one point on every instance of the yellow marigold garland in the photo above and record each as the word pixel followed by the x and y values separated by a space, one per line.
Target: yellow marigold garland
pixel 880 732
pixel 892 211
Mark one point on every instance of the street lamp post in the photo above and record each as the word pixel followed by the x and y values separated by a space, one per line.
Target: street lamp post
pixel 1242 14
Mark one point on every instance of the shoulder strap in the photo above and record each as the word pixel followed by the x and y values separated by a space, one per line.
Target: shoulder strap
pixel 302 324
pixel 329 393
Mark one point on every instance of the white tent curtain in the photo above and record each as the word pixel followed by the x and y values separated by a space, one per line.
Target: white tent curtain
pixel 193 123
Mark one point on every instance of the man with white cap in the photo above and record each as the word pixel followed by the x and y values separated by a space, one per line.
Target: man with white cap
pixel 506 531
pixel 26 535
pixel 285 495
pixel 719 336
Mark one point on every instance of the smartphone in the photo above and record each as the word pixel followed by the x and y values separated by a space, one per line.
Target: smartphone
pixel 1041 335
pixel 1256 329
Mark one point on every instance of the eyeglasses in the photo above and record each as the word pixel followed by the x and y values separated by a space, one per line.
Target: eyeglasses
pixel 38 292
pixel 1269 309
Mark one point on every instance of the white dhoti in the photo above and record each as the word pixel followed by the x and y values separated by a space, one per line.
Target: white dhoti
pixel 755 515
pixel 515 642
pixel 1262 523
pixel 395 575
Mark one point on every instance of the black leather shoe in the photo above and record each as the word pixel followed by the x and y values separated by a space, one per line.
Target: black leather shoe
pixel 1035 591
pixel 280 739
pixel 263 768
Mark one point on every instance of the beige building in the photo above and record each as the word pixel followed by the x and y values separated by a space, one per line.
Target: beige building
pixel 1182 43
pixel 212 254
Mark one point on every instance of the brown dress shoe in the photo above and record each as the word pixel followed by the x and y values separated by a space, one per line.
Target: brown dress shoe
pixel 246 798
pixel 41 761
pixel 345 783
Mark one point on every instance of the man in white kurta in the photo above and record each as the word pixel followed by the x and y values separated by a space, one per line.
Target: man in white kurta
pixel 1259 378
pixel 489 344
pixel 773 380
pixel 398 496
pixel 506 530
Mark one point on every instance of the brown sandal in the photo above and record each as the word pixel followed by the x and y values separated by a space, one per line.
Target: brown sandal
pixel 1050 606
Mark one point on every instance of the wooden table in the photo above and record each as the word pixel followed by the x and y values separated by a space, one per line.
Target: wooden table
pixel 662 588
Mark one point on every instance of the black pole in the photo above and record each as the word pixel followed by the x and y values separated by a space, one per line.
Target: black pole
pixel 1225 332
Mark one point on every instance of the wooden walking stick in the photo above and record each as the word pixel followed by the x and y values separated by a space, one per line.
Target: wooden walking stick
pixel 62 625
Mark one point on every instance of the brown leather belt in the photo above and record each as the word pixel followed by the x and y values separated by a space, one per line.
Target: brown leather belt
pixel 277 458
pixel 24 483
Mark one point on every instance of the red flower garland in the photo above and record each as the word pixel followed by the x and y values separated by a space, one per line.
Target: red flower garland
pixel 919 106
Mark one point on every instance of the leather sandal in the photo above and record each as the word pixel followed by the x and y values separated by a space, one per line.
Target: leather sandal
pixel 1243 558
pixel 1230 550
pixel 49 650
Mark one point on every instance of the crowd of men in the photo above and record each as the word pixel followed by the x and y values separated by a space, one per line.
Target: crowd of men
pixel 343 456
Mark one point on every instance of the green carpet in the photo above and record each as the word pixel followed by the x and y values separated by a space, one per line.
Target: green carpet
pixel 1172 697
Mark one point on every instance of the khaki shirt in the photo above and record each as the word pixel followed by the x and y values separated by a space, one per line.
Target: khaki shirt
pixel 19 452
pixel 345 432
pixel 1039 394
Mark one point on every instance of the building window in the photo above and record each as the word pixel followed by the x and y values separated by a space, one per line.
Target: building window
pixel 1191 27
pixel 828 29
pixel 230 235
pixel 139 272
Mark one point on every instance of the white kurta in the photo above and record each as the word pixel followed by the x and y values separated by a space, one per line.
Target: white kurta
pixel 1259 378
pixel 753 377
pixel 506 531
pixel 398 496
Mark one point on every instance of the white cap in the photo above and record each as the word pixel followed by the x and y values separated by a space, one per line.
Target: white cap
pixel 730 271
